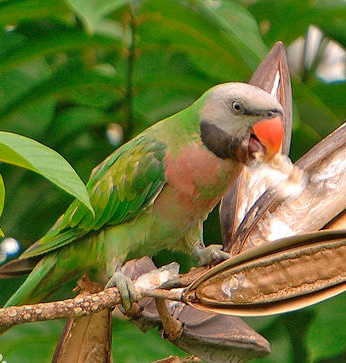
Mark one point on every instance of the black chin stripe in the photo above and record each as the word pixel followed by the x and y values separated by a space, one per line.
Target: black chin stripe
pixel 217 141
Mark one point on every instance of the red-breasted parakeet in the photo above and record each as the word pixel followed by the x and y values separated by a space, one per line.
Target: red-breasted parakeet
pixel 154 193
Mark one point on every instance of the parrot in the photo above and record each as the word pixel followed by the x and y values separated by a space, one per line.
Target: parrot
pixel 153 193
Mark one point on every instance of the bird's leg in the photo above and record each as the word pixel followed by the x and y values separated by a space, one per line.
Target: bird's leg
pixel 209 255
pixel 204 255
pixel 125 286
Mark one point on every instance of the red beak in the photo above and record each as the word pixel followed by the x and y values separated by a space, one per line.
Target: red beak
pixel 270 133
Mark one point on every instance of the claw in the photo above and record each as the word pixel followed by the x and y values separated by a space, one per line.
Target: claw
pixel 211 255
pixel 126 288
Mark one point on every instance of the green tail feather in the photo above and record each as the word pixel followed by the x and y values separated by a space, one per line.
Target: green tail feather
pixel 27 292
pixel 29 286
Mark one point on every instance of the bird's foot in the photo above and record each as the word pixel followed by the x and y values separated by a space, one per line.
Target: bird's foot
pixel 126 288
pixel 211 255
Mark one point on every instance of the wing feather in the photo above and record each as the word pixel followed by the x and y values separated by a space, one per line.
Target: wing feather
pixel 119 188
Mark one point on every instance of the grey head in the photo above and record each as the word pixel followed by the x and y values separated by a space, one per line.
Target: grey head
pixel 228 116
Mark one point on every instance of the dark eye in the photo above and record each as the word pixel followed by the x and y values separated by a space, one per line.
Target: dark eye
pixel 237 107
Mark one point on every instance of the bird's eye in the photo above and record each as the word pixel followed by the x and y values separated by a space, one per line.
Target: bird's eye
pixel 237 107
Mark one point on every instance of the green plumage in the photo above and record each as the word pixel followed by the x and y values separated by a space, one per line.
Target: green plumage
pixel 119 188
pixel 152 193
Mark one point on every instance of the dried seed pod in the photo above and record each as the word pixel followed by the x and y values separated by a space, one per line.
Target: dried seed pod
pixel 275 278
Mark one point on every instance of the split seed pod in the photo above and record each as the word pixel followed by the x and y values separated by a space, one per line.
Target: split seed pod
pixel 286 275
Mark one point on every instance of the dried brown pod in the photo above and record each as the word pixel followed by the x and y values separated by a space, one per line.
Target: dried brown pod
pixel 276 277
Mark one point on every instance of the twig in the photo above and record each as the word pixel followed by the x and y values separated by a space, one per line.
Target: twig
pixel 170 359
pixel 71 308
pixel 175 359
pixel 130 69
pixel 172 327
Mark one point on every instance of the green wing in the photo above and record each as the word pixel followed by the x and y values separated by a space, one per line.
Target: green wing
pixel 119 188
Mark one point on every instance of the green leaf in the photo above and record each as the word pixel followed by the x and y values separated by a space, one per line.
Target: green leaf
pixel 31 121
pixel 313 111
pixel 59 83
pixel 152 346
pixel 282 20
pixel 239 25
pixel 332 95
pixel 27 153
pixel 2 200
pixel 91 12
pixel 184 30
pixel 279 339
pixel 327 336
pixel 73 121
pixel 39 340
pixel 2 194
pixel 35 342
pixel 54 43
pixel 12 12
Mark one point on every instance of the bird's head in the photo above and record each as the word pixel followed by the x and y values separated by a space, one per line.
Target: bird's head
pixel 238 120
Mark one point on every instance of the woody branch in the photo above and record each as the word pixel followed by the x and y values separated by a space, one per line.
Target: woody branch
pixel 71 308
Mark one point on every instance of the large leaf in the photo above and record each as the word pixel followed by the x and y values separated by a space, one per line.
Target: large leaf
pixel 72 121
pixel 31 121
pixel 59 83
pixel 332 94
pixel 36 342
pixel 239 25
pixel 2 194
pixel 288 19
pixel 91 12
pixel 282 20
pixel 330 16
pixel 29 154
pixel 327 336
pixel 313 111
pixel 12 12
pixel 53 43
pixel 187 32
pixel 160 93
pixel 2 200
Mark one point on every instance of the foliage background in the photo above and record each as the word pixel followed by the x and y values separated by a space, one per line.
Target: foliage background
pixel 76 74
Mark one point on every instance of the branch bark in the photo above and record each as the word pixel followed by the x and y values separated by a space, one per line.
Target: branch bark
pixel 71 308
pixel 91 300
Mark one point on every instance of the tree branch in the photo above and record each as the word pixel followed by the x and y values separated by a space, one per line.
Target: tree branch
pixel 92 300
pixel 71 308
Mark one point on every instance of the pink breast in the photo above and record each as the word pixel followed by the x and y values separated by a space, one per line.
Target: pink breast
pixel 188 175
pixel 194 168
